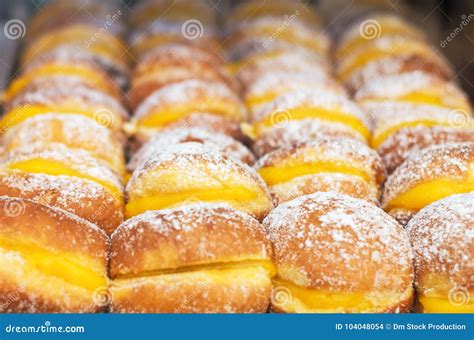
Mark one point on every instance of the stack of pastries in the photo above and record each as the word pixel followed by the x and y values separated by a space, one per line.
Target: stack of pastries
pixel 192 191
pixel 261 169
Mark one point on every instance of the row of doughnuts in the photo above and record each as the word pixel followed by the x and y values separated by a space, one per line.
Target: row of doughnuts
pixel 177 253
pixel 61 131
pixel 407 90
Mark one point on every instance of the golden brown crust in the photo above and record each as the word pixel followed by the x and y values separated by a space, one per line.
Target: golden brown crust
pixel 53 230
pixel 397 148
pixel 336 243
pixel 198 234
pixel 81 197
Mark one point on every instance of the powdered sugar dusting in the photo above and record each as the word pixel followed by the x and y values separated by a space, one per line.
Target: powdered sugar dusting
pixel 79 160
pixel 314 233
pixel 442 236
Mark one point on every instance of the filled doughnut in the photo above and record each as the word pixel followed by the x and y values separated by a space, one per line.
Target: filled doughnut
pixel 84 69
pixel 74 131
pixel 79 196
pixel 59 96
pixel 325 164
pixel 414 87
pixel 202 258
pixel 174 63
pixel 398 147
pixel 305 104
pixel 115 70
pixel 396 65
pixel 338 254
pixel 273 84
pixel 299 131
pixel 250 38
pixel 443 244
pixel 177 101
pixel 160 33
pixel 428 176
pixel 287 61
pixel 384 47
pixel 367 29
pixel 190 172
pixel 106 49
pixel 391 117
pixel 51 260
pixel 161 140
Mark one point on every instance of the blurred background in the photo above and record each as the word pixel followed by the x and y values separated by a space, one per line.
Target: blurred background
pixel 449 23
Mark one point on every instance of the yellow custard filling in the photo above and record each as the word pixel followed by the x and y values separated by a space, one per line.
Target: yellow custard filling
pixel 68 267
pixel 293 298
pixel 280 118
pixel 426 193
pixel 136 206
pixel 443 305
pixel 22 113
pixel 90 75
pixel 280 174
pixel 56 168
pixel 424 97
pixel 254 100
pixel 267 265
pixel 161 117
